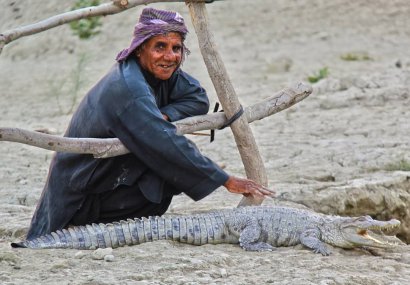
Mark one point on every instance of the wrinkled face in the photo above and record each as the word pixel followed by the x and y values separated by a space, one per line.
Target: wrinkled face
pixel 161 55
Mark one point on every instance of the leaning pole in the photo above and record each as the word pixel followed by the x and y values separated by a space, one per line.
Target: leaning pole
pixel 244 138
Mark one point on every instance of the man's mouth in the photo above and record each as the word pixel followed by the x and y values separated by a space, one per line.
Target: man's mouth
pixel 167 66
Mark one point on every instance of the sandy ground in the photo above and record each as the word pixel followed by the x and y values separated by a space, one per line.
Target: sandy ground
pixel 355 123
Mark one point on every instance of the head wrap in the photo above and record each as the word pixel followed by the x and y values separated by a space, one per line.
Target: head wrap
pixel 153 22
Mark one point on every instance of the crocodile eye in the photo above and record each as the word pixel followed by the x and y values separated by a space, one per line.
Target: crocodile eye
pixel 363 218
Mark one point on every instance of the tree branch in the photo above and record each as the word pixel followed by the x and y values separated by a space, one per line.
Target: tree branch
pixel 114 7
pixel 108 147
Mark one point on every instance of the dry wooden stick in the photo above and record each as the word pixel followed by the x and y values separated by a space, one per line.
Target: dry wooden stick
pixel 244 138
pixel 103 148
pixel 116 6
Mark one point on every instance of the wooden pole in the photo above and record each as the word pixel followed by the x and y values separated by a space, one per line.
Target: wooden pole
pixel 244 139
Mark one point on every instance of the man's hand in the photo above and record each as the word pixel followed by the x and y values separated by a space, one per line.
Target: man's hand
pixel 247 187
pixel 166 118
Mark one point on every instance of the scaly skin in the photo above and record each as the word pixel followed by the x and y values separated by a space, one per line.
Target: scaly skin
pixel 254 228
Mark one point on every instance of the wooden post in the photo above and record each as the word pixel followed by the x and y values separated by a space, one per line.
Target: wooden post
pixel 244 139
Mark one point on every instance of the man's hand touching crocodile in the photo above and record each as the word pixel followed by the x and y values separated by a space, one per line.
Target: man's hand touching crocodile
pixel 247 187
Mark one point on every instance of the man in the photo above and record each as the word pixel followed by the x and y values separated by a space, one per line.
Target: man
pixel 135 102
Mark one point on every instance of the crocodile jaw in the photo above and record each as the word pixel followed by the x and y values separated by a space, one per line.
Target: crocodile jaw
pixel 375 239
pixel 364 231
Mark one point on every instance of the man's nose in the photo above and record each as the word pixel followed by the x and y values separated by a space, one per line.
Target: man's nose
pixel 170 55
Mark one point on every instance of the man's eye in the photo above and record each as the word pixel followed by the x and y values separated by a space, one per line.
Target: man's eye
pixel 160 47
pixel 177 49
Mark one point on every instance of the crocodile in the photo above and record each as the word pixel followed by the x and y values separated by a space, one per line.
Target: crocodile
pixel 256 228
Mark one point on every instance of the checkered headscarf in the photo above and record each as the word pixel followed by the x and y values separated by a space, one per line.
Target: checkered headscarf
pixel 155 22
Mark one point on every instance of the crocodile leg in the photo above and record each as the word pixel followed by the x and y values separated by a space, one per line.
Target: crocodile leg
pixel 249 232
pixel 310 239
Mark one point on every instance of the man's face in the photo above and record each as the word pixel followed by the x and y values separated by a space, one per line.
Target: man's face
pixel 161 55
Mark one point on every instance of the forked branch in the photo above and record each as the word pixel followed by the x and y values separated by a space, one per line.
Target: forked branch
pixel 103 148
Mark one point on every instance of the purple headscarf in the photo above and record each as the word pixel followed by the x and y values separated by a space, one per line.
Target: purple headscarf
pixel 155 22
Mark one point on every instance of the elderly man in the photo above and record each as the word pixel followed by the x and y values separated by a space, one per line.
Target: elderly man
pixel 135 102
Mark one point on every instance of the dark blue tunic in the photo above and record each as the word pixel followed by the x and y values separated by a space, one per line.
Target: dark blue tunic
pixel 128 104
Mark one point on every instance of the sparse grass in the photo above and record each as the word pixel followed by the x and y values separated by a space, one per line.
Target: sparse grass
pixel 322 73
pixel 86 28
pixel 352 56
pixel 402 165
pixel 69 87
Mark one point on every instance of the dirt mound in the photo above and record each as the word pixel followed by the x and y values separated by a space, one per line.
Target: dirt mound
pixel 334 152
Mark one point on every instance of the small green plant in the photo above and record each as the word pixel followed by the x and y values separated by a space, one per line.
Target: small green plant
pixel 86 28
pixel 66 91
pixel 355 57
pixel 322 73
pixel 402 165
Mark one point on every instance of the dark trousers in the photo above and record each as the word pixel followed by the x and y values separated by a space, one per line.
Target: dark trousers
pixel 119 204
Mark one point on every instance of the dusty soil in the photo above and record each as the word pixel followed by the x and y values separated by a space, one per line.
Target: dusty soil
pixel 340 138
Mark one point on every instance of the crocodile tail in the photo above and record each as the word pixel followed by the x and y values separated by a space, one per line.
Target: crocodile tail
pixel 18 244
pixel 116 234
pixel 192 230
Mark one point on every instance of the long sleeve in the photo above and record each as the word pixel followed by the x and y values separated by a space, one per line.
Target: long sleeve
pixel 172 157
pixel 186 98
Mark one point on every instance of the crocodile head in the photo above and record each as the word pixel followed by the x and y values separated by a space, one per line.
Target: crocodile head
pixel 364 232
